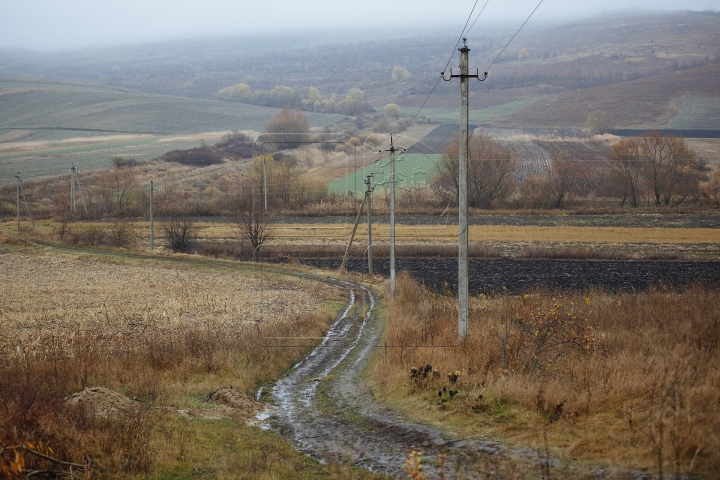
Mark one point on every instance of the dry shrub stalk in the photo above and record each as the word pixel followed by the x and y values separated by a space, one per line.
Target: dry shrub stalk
pixel 631 379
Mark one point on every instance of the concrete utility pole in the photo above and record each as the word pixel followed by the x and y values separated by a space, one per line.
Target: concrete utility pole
pixel 265 182
pixel 392 214
pixel 462 189
pixel 368 195
pixel 72 188
pixel 20 190
pixel 17 188
pixel 152 224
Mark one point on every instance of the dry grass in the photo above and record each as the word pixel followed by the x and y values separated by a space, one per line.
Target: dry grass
pixel 631 380
pixel 318 240
pixel 164 335
pixel 504 232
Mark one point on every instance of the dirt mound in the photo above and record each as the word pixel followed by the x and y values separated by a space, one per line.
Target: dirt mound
pixel 103 402
pixel 243 407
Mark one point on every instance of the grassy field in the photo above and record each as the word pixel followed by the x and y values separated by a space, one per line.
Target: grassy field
pixel 105 109
pixel 630 380
pixel 164 332
pixel 482 115
pixel 411 169
pixel 644 103
pixel 317 239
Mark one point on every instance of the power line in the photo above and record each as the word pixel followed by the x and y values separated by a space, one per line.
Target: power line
pixel 476 19
pixel 446 65
pixel 516 34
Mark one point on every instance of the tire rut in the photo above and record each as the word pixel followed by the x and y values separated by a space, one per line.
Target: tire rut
pixel 328 412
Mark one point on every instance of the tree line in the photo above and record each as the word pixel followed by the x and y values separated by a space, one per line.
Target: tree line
pixel 650 169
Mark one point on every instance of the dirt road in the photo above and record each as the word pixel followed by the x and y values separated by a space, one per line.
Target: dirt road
pixel 323 406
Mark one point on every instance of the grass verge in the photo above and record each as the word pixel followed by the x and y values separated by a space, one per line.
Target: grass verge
pixel 630 380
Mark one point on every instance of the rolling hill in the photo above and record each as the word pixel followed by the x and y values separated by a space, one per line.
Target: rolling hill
pixel 44 127
pixel 683 99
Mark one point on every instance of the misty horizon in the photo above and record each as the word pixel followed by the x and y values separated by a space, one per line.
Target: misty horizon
pixel 47 27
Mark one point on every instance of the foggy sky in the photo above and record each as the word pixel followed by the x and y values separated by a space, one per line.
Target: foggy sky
pixel 49 25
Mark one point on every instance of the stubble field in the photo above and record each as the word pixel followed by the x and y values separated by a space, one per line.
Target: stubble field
pixel 112 364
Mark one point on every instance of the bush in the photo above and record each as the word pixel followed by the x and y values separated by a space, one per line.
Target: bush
pixel 195 157
pixel 122 234
pixel 290 125
pixel 180 234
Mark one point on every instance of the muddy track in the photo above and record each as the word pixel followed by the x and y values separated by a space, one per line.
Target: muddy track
pixel 324 407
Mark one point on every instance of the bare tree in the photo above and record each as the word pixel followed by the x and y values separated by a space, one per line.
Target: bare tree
pixel 491 171
pixel 563 176
pixel 251 219
pixel 117 189
pixel 598 122
pixel 536 192
pixel 288 122
pixel 712 188
pixel 670 167
pixel 625 169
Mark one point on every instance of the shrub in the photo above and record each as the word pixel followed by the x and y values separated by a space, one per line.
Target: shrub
pixel 534 337
pixel 122 234
pixel 195 157
pixel 180 234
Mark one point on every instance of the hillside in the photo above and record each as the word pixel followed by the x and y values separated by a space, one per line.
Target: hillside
pixel 44 128
pixel 651 102
pixel 543 59
pixel 31 106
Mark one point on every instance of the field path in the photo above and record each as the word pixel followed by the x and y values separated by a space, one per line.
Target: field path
pixel 324 407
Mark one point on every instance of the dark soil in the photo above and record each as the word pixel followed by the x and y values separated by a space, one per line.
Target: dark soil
pixel 518 276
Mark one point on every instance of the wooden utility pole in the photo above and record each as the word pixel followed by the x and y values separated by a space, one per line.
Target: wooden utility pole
pixel 462 190
pixel 21 190
pixel 352 235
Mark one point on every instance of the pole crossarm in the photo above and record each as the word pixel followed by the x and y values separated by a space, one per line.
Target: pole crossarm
pixel 464 75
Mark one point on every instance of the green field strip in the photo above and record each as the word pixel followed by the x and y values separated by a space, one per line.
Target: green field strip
pixel 84 148
pixel 452 115
pixel 413 169
pixel 130 112
pixel 36 168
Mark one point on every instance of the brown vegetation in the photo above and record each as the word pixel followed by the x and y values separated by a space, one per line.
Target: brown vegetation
pixel 630 379
pixel 491 171
pixel 161 335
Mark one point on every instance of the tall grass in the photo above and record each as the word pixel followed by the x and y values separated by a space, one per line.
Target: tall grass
pixel 627 379
pixel 150 364
pixel 163 336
